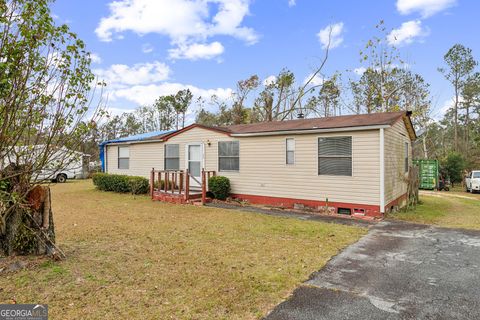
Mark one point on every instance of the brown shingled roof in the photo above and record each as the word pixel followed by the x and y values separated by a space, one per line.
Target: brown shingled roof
pixel 337 122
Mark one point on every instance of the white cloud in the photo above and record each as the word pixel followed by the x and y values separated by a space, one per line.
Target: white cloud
pixel 316 81
pixel 185 22
pixel 95 58
pixel 331 34
pixel 269 80
pixel 141 73
pixel 407 33
pixel 146 94
pixel 447 105
pixel 147 48
pixel 197 51
pixel 359 71
pixel 292 3
pixel 426 8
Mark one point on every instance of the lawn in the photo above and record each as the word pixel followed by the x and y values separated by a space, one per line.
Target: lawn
pixel 447 209
pixel 133 258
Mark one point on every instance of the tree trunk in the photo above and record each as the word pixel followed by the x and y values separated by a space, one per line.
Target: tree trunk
pixel 455 112
pixel 425 151
pixel 26 224
pixel 30 229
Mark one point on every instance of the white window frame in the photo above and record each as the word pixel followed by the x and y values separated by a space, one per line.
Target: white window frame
pixel 218 156
pixel 352 157
pixel 287 151
pixel 118 157
pixel 165 156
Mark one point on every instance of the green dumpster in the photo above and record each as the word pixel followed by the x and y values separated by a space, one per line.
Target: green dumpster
pixel 428 173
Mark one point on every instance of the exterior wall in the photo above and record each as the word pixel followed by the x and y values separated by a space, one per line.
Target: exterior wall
pixel 143 157
pixel 203 136
pixel 395 176
pixel 263 171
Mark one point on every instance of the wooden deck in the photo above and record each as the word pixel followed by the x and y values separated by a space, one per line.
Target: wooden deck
pixel 174 186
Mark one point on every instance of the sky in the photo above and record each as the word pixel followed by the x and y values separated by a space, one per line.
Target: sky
pixel 147 48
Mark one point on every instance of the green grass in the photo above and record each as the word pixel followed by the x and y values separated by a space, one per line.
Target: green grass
pixel 445 209
pixel 133 258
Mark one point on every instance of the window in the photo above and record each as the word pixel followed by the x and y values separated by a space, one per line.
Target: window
pixel 290 151
pixel 228 156
pixel 123 157
pixel 335 156
pixel 406 156
pixel 172 157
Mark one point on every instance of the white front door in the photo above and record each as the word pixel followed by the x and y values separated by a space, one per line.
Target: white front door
pixel 194 163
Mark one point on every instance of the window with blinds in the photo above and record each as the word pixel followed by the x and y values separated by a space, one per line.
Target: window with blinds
pixel 228 156
pixel 290 151
pixel 123 157
pixel 335 156
pixel 172 157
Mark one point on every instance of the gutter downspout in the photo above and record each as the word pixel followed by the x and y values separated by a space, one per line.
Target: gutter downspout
pixel 382 171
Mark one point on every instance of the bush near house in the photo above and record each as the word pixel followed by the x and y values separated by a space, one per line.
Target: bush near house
pixel 121 183
pixel 162 185
pixel 219 186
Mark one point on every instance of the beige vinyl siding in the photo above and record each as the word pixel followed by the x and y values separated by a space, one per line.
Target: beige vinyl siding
pixel 143 157
pixel 263 169
pixel 202 136
pixel 395 138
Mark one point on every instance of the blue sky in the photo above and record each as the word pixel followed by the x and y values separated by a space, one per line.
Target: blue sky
pixel 147 48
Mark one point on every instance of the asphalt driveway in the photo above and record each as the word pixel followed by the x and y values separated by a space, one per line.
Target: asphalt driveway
pixel 397 271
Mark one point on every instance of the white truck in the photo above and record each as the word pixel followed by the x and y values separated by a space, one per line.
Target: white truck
pixel 61 175
pixel 472 181
pixel 62 164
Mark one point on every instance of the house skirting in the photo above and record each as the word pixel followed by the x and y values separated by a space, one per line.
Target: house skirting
pixel 398 203
pixel 355 208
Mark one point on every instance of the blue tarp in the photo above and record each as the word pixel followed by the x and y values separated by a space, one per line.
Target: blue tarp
pixel 137 137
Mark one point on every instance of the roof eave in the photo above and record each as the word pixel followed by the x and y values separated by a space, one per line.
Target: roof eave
pixel 309 131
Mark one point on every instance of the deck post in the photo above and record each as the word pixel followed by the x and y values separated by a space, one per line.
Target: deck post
pixel 152 182
pixel 204 188
pixel 187 185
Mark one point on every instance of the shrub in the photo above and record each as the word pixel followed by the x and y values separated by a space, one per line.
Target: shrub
pixel 162 185
pixel 121 183
pixel 139 185
pixel 219 186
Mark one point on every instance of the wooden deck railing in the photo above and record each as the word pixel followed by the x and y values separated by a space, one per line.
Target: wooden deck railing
pixel 177 182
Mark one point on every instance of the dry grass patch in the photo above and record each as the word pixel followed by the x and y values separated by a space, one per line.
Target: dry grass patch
pixel 133 258
pixel 445 210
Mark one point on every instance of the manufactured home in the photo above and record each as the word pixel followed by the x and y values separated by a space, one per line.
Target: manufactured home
pixel 354 164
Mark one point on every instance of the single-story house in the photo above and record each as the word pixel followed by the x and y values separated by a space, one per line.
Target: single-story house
pixel 355 164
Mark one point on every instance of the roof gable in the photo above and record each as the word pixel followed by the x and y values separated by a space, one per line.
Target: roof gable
pixel 195 125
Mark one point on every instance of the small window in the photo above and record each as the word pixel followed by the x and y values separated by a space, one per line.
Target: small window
pixel 406 156
pixel 290 153
pixel 228 156
pixel 123 157
pixel 172 157
pixel 335 156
